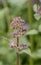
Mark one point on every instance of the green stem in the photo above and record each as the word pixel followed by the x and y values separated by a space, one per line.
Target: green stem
pixel 17 55
pixel 30 21
pixel 7 13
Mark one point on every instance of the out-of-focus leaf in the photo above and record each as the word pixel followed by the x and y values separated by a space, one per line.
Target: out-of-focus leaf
pixel 2 12
pixel 3 50
pixel 32 32
pixel 23 39
pixel 2 26
pixel 35 7
pixel 11 56
pixel 16 2
pixel 37 16
pixel 39 28
pixel 38 40
pixel 26 51
pixel 35 24
pixel 36 54
pixel 4 42
pixel 2 20
pixel 1 63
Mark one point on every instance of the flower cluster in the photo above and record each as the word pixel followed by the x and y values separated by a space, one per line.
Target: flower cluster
pixel 20 27
pixel 17 23
pixel 20 47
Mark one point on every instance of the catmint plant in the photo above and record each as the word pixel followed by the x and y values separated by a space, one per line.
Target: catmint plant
pixel 20 28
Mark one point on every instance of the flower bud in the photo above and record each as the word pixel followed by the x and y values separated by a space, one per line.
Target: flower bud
pixel 12 44
pixel 23 45
pixel 39 11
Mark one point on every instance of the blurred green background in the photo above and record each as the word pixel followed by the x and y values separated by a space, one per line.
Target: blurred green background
pixel 10 9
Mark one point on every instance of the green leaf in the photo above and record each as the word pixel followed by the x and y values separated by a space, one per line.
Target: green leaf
pixel 2 12
pixel 36 54
pixel 26 51
pixel 32 32
pixel 23 39
pixel 3 50
pixel 37 16
pixel 39 28
pixel 35 7
pixel 1 63
pixel 16 2
pixel 2 26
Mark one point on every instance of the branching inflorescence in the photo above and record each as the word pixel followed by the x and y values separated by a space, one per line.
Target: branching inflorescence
pixel 20 28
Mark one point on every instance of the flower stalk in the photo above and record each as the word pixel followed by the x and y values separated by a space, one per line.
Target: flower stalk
pixel 20 28
pixel 17 55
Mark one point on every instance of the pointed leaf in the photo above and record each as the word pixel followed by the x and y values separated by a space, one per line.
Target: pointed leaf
pixel 35 7
pixel 36 54
pixel 26 51
pixel 37 16
pixel 32 32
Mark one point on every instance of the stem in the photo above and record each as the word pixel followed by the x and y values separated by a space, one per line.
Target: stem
pixel 17 55
pixel 30 21
pixel 7 12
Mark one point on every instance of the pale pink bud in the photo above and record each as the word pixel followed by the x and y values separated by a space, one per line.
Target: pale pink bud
pixel 12 44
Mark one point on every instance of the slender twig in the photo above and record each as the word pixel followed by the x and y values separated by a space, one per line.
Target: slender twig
pixel 30 21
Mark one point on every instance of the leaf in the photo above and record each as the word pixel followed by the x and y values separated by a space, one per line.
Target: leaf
pixel 2 12
pixel 39 28
pixel 3 50
pixel 35 7
pixel 2 26
pixel 1 63
pixel 26 51
pixel 32 32
pixel 11 56
pixel 23 39
pixel 16 2
pixel 35 24
pixel 36 54
pixel 37 16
